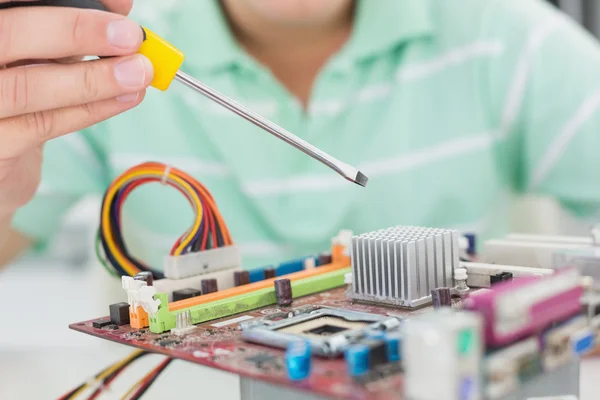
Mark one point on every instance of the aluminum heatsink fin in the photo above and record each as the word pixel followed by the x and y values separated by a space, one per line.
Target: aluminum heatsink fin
pixel 401 265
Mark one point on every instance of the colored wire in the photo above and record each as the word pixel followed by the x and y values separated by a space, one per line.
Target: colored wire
pixel 207 231
pixel 143 384
pixel 104 374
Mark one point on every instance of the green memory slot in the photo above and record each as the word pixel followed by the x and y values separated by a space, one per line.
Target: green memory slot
pixel 164 320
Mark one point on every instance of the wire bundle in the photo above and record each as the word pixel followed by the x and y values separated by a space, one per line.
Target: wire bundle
pixel 104 378
pixel 208 230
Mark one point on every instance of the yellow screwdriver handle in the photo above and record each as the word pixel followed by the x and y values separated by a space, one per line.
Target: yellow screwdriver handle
pixel 165 59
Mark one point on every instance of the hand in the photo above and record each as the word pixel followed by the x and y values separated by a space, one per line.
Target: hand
pixel 41 100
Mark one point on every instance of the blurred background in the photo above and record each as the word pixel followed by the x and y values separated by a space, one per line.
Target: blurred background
pixel 46 360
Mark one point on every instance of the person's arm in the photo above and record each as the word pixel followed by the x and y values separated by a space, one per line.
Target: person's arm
pixel 12 243
pixel 545 90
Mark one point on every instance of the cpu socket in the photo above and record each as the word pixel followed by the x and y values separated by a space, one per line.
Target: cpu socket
pixel 329 330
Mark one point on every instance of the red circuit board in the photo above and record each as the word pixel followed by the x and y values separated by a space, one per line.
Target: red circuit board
pixel 221 347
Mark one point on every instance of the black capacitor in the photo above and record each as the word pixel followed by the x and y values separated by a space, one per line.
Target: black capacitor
pixel 119 313
pixel 441 297
pixel 241 278
pixel 269 273
pixel 209 285
pixel 283 292
pixel 144 276
pixel 324 258
pixel 377 351
pixel 186 293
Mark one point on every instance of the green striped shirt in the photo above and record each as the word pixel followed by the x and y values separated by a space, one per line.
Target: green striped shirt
pixel 450 107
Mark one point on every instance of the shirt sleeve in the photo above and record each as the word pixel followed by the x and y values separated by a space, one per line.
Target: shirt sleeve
pixel 72 168
pixel 546 86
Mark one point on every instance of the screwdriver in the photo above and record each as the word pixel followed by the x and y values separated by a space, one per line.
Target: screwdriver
pixel 167 60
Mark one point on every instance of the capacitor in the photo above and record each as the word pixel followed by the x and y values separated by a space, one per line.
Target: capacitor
pixel 393 348
pixel 209 285
pixel 145 276
pixel 324 258
pixel 241 278
pixel 269 273
pixel 357 359
pixel 283 292
pixel 441 297
pixel 298 360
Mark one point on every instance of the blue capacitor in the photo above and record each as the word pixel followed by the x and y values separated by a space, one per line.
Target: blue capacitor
pixel 393 348
pixel 357 359
pixel 298 360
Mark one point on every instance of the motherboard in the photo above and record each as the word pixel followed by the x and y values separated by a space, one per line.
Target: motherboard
pixel 379 315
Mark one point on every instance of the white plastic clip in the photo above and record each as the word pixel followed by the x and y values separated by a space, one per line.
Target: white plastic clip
pixel 165 175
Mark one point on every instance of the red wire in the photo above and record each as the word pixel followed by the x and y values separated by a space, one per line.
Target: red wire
pixel 150 378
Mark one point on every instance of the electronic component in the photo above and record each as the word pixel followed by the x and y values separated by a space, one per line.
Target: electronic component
pixel 324 258
pixel 145 276
pixel 247 297
pixel 283 292
pixel 500 277
pixel 297 360
pixel 514 310
pixel 183 324
pixel 393 347
pixel 269 273
pixel 186 293
pixel 506 367
pixel 447 345
pixel 378 352
pixel 460 277
pixel 480 274
pixel 556 342
pixel 357 359
pixel 119 313
pixel 224 281
pixel 241 278
pixel 330 331
pixel 401 265
pixel 441 297
pixel 209 286
pixel 199 263
pixel 102 323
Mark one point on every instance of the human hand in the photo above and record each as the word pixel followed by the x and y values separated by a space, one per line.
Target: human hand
pixel 41 99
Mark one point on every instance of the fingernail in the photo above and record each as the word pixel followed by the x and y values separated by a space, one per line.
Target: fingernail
pixel 132 72
pixel 128 98
pixel 124 34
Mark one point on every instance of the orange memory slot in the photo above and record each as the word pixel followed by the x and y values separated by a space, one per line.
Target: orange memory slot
pixel 235 291
pixel 338 262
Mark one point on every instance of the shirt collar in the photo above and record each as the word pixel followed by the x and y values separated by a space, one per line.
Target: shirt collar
pixel 382 25
pixel 204 36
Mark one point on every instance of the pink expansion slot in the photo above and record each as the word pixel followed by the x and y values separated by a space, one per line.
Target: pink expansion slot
pixel 517 309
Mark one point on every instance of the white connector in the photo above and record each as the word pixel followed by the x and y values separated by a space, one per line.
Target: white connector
pixel 224 281
pixel 202 262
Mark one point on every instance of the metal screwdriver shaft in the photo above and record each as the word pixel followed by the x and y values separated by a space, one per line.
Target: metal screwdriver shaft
pixel 350 173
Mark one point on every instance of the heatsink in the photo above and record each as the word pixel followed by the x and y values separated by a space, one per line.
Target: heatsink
pixel 402 264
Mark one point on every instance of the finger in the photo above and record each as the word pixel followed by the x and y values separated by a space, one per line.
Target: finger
pixel 26 131
pixel 30 89
pixel 122 7
pixel 50 33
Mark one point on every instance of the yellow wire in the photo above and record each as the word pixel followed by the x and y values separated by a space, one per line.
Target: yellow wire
pixel 112 191
pixel 107 372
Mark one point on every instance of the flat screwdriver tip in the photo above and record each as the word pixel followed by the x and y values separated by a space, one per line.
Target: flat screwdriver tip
pixel 361 179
